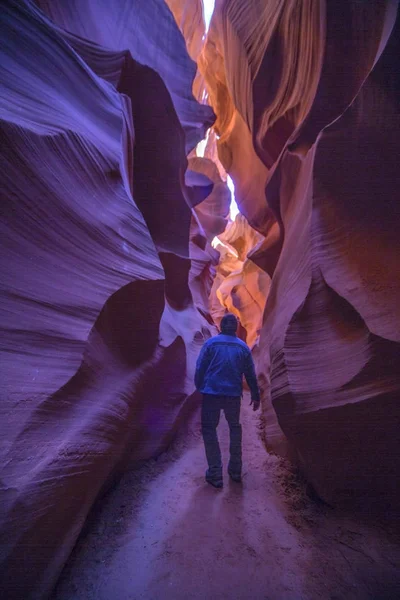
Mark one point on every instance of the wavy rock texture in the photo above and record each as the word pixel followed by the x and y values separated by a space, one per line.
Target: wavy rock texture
pixel 335 391
pixel 235 146
pixel 148 31
pixel 329 348
pixel 99 329
pixel 209 219
pixel 189 18
pixel 232 150
pixel 240 286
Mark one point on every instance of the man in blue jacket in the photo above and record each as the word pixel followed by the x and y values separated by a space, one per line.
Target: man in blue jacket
pixel 222 362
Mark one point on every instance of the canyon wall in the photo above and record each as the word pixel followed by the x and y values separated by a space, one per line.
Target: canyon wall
pixel 100 328
pixel 316 84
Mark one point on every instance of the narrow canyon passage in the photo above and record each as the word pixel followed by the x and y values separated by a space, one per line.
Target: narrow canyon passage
pixel 163 533
pixel 163 163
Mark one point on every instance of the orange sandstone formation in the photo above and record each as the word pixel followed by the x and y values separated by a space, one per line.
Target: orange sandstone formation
pixel 318 88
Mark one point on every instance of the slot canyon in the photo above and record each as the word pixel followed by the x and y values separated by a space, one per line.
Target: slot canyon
pixel 162 163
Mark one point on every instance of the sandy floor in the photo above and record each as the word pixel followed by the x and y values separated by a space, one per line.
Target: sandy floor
pixel 163 534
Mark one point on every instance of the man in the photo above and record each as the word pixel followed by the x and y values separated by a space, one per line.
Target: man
pixel 222 362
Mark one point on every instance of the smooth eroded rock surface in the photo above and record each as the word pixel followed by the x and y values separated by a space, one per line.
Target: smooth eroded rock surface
pixel 99 329
pixel 316 87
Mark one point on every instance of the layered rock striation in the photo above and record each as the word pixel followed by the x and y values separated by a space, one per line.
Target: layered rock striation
pixel 317 87
pixel 99 327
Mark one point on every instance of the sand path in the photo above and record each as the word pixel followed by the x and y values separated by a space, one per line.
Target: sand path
pixel 163 534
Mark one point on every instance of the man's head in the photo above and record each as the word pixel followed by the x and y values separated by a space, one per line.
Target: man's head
pixel 229 324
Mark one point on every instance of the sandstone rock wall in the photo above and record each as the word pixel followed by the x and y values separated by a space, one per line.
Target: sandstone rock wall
pixel 317 86
pixel 99 328
pixel 240 286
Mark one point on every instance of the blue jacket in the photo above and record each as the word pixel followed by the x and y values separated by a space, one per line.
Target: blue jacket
pixel 222 362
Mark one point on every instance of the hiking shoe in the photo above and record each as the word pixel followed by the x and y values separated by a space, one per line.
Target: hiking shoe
pixel 235 477
pixel 217 483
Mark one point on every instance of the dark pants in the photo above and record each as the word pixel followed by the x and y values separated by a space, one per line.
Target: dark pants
pixel 210 413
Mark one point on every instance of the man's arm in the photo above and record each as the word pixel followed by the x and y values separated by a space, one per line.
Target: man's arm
pixel 201 366
pixel 251 378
